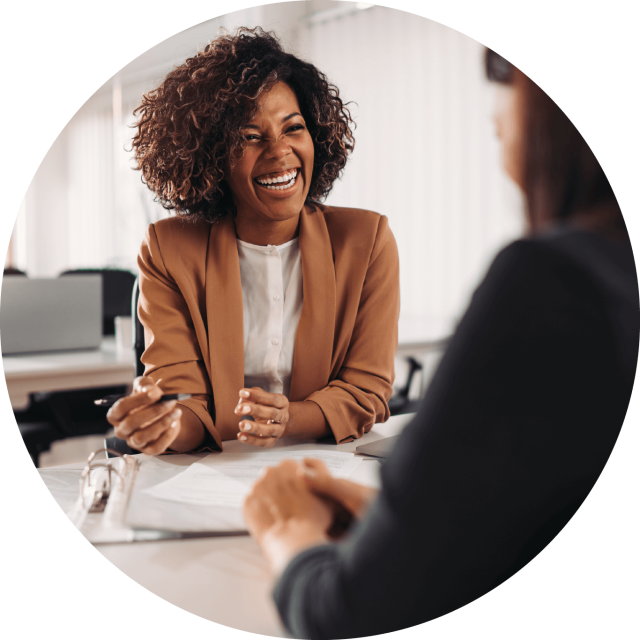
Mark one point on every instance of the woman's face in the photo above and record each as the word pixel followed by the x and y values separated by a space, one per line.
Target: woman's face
pixel 271 180
pixel 508 117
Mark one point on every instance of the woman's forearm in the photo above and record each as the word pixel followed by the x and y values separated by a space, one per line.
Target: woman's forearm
pixel 191 433
pixel 306 420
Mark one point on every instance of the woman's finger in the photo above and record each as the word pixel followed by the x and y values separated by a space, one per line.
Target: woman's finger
pixel 141 382
pixel 143 418
pixel 261 412
pixel 163 442
pixel 257 511
pixel 257 441
pixel 143 437
pixel 261 429
pixel 315 470
pixel 317 476
pixel 134 401
pixel 260 396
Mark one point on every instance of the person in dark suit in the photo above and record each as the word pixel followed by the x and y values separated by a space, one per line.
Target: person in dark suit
pixel 516 426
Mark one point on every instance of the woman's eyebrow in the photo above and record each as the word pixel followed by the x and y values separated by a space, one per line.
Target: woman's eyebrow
pixel 291 115
pixel 255 126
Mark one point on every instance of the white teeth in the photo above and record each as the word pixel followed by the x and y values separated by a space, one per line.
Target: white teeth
pixel 289 178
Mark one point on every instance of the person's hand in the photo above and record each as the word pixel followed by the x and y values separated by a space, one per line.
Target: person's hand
pixel 146 424
pixel 284 516
pixel 270 413
pixel 353 497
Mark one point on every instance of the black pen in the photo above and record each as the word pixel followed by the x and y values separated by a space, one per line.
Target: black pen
pixel 109 401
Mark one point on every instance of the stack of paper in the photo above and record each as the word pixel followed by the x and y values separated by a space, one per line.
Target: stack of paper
pixel 224 480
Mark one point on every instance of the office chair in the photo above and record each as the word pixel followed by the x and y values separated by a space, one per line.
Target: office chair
pixel 12 271
pixel 138 332
pixel 400 403
pixel 114 442
pixel 37 434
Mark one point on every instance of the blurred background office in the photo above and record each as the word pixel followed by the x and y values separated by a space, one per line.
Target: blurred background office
pixel 426 156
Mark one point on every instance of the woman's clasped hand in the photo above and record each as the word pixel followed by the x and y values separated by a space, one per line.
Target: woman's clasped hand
pixel 146 424
pixel 284 516
pixel 298 505
pixel 264 416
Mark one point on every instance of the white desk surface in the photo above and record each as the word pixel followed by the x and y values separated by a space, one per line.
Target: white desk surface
pixel 65 370
pixel 214 578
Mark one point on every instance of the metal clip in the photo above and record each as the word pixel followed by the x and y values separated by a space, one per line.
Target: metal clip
pixel 99 494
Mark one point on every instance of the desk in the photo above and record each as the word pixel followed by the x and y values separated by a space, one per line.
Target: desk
pixel 214 577
pixel 109 366
pixel 66 370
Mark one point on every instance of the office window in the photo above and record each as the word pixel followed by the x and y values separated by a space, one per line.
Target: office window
pixel 426 154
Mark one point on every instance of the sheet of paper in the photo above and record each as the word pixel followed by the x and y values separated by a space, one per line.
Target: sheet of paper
pixel 225 479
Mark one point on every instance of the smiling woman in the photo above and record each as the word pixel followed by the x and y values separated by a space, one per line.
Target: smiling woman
pixel 271 180
pixel 276 313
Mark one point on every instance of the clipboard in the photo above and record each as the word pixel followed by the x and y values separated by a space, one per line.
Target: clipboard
pixel 107 503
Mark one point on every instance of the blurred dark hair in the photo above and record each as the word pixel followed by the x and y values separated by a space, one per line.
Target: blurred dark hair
pixel 561 174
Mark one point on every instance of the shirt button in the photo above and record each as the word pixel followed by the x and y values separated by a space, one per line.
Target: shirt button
pixel 275 341
pixel 276 297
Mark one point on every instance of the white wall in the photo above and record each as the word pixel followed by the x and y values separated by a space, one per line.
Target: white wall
pixel 39 240
pixel 426 154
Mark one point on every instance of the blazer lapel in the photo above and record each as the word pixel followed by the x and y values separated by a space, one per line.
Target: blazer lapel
pixel 225 325
pixel 314 339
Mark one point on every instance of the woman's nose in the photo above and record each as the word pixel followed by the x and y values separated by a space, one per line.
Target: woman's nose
pixel 278 148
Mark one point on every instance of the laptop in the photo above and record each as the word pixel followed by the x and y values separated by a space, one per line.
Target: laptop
pixel 380 448
pixel 50 314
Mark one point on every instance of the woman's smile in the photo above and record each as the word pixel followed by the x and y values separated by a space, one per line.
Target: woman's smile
pixel 280 183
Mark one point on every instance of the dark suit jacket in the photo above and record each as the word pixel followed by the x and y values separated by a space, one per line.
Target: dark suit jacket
pixel 191 308
pixel 516 426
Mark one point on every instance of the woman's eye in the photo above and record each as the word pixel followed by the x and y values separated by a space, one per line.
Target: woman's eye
pixel 296 127
pixel 251 137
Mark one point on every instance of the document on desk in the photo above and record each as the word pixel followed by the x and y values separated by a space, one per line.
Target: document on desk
pixel 224 480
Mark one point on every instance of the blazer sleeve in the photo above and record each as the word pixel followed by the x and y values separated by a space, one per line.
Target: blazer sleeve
pixel 517 423
pixel 357 397
pixel 172 353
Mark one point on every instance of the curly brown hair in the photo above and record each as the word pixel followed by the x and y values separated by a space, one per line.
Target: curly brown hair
pixel 188 132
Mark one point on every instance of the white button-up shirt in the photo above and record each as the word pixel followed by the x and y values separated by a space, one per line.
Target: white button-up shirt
pixel 271 303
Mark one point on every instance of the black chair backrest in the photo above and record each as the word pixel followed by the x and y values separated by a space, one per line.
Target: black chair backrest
pixel 138 331
pixel 117 285
pixel 138 348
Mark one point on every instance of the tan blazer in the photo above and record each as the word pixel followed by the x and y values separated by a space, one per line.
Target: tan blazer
pixel 191 309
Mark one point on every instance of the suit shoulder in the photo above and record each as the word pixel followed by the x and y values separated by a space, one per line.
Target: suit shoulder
pixel 352 216
pixel 173 231
pixel 361 233
pixel 356 222
pixel 176 224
